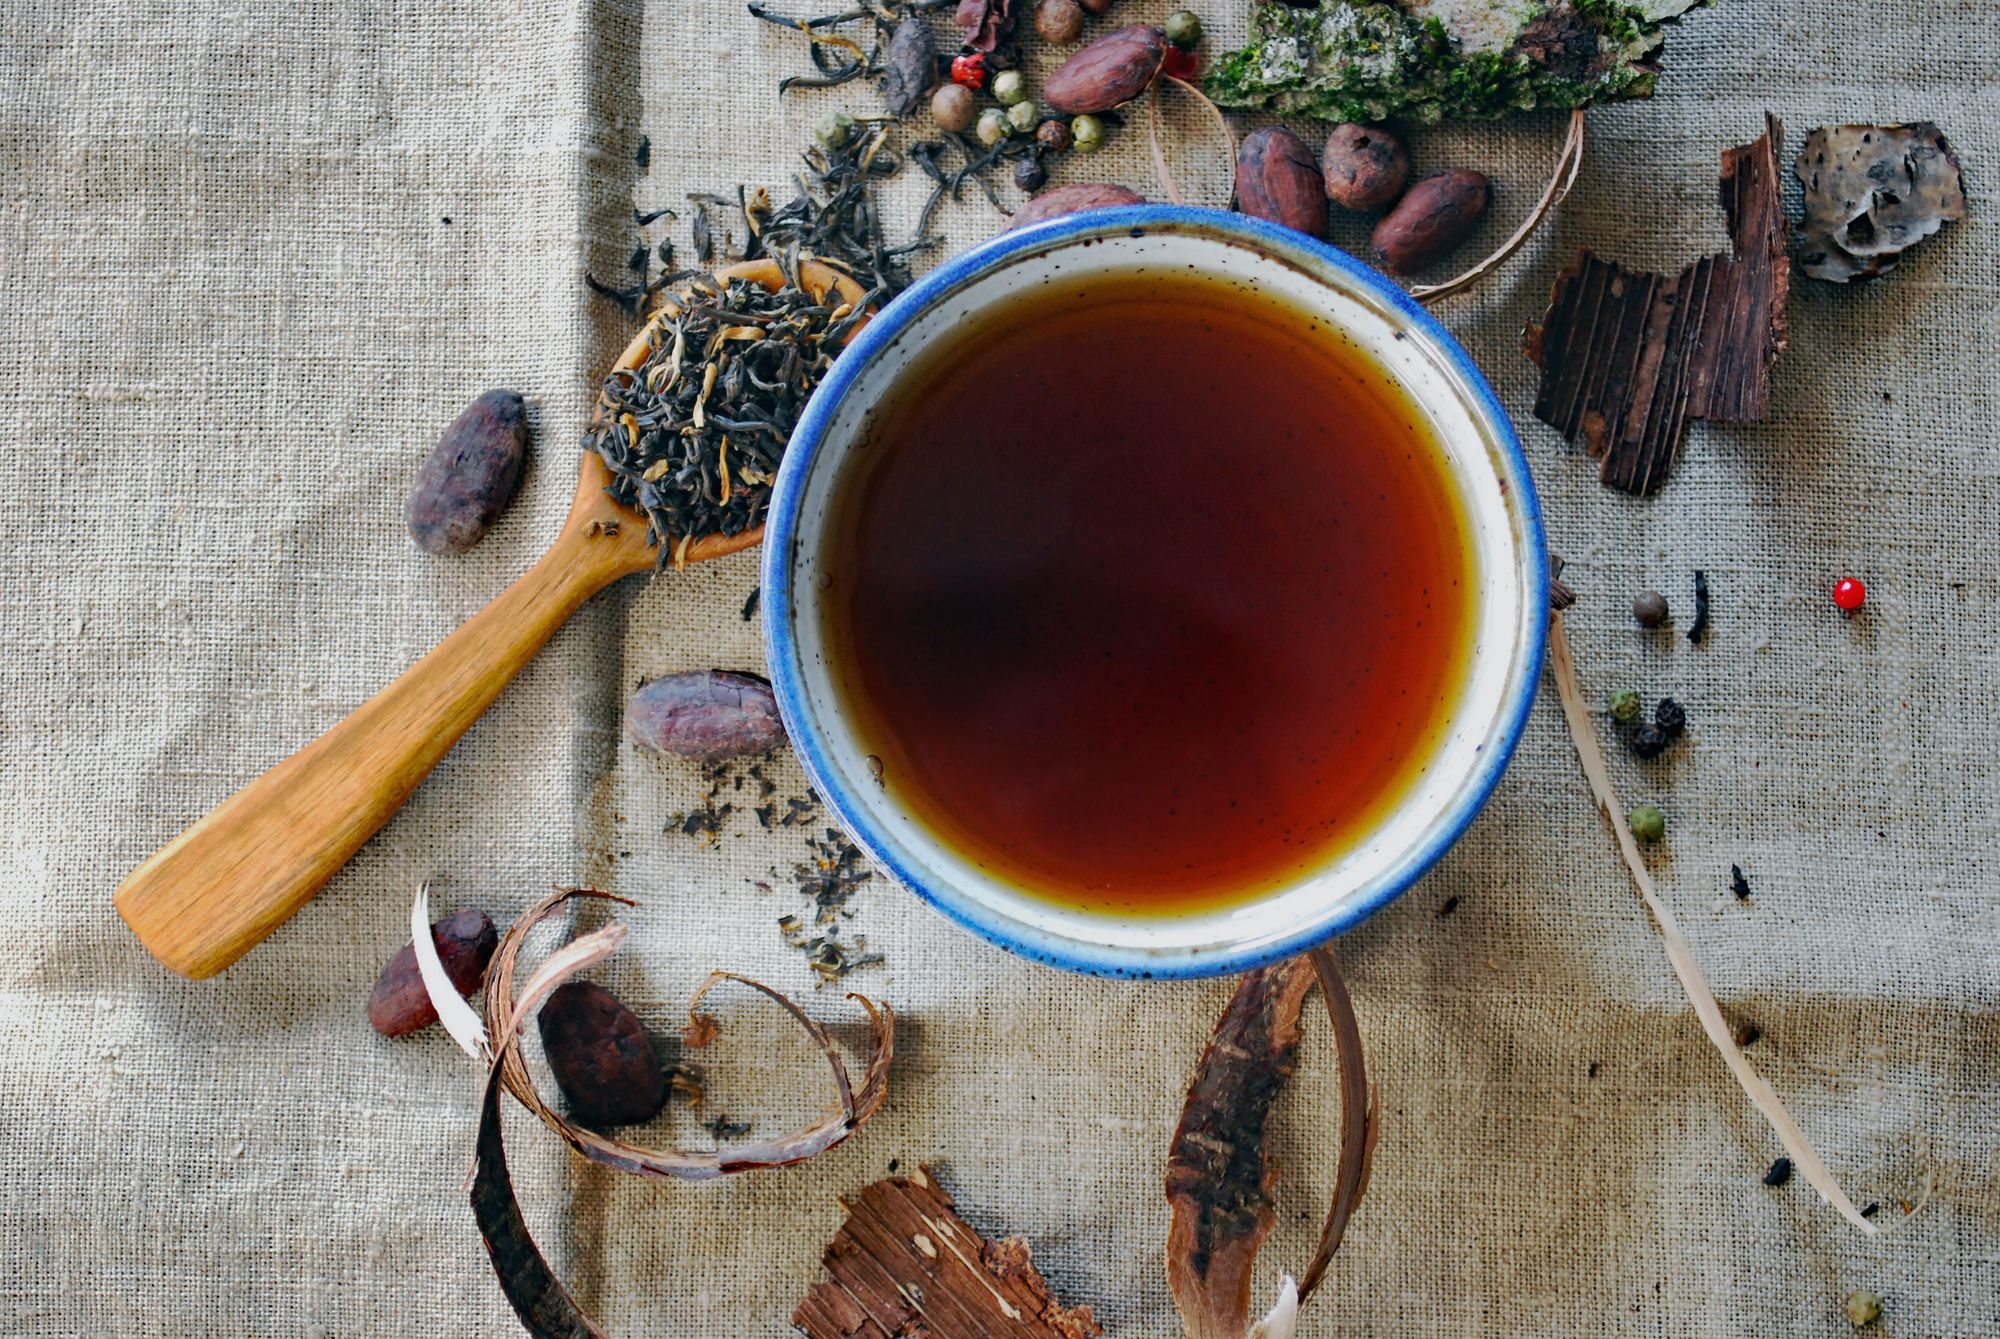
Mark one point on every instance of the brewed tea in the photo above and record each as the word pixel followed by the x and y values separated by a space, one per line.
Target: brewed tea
pixel 1150 593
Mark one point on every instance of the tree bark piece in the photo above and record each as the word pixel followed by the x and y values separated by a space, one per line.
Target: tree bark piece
pixel 1628 358
pixel 905 1264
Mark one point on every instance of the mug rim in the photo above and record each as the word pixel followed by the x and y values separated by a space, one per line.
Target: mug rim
pixel 1100 958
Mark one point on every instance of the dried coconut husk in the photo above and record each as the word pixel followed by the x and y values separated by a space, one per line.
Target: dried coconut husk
pixel 1562 666
pixel 852 1108
pixel 1220 1173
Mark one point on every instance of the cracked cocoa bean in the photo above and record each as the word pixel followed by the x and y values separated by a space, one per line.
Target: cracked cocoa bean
pixel 399 1004
pixel 1113 70
pixel 707 714
pixel 1364 167
pixel 1277 180
pixel 601 1057
pixel 1432 218
pixel 470 476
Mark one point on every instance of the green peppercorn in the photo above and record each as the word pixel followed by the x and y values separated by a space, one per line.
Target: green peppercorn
pixel 1864 1307
pixel 1022 116
pixel 1183 29
pixel 835 130
pixel 1009 87
pixel 1053 136
pixel 954 106
pixel 992 126
pixel 1625 707
pixel 1647 822
pixel 1086 134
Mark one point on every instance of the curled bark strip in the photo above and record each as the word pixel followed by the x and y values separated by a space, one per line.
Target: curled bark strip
pixel 1764 1097
pixel 1360 1117
pixel 1568 163
pixel 1219 1169
pixel 504 1016
pixel 1220 1173
pixel 1628 358
pixel 905 1263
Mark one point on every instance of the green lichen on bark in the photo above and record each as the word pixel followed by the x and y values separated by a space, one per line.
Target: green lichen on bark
pixel 1431 60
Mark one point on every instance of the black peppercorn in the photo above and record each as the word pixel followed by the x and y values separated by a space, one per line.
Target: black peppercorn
pixel 1670 717
pixel 1781 1172
pixel 1030 175
pixel 1650 741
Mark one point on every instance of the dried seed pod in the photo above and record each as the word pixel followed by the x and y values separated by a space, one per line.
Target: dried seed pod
pixel 909 64
pixel 1114 69
pixel 1277 179
pixel 1364 167
pixel 1649 608
pixel 399 1004
pixel 1073 199
pixel 1432 218
pixel 601 1057
pixel 705 714
pixel 470 475
pixel 1059 22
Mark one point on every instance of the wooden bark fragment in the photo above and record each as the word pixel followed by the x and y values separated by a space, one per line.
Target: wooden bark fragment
pixel 1219 1172
pixel 905 1264
pixel 1628 358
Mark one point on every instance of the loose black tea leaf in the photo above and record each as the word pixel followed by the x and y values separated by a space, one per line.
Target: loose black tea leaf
pixel 1699 627
pixel 1781 1172
pixel 750 603
pixel 1738 884
pixel 643 155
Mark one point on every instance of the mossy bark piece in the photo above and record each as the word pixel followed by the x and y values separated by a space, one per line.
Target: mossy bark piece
pixel 1431 60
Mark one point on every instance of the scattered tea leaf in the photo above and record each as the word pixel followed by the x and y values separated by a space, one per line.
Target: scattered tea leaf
pixel 1628 358
pixel 905 1263
pixel 1872 193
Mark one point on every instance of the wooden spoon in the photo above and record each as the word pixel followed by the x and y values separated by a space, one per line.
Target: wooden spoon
pixel 207 897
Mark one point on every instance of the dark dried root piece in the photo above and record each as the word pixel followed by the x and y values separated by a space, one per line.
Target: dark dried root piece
pixel 1628 358
pixel 905 1263
pixel 1219 1169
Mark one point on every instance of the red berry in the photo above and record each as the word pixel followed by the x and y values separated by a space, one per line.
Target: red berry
pixel 1849 593
pixel 969 70
pixel 1179 64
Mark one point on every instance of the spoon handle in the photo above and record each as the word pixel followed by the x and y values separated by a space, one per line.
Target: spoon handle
pixel 207 897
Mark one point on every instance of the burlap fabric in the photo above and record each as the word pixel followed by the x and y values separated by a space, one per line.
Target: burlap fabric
pixel 253 257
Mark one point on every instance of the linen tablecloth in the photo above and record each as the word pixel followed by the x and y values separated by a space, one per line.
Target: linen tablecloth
pixel 254 256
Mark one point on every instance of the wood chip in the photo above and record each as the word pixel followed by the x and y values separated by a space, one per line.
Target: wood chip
pixel 1628 358
pixel 904 1263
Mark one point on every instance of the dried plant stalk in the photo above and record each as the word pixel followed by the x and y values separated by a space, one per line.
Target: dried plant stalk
pixel 1765 1098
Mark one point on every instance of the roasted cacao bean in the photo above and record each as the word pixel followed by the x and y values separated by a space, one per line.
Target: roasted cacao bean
pixel 470 476
pixel 1433 217
pixel 1277 180
pixel 1073 199
pixel 705 714
pixel 601 1057
pixel 1364 167
pixel 399 1004
pixel 1114 69
pixel 909 64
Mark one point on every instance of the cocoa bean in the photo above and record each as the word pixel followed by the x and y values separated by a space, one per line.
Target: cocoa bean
pixel 705 714
pixel 1433 216
pixel 601 1057
pixel 1364 167
pixel 470 476
pixel 1114 69
pixel 1072 199
pixel 1277 180
pixel 1097 6
pixel 399 1004
pixel 909 64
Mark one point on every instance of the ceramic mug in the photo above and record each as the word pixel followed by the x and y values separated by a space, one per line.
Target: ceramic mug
pixel 1509 612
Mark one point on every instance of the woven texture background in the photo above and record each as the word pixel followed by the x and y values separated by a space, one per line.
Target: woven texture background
pixel 253 257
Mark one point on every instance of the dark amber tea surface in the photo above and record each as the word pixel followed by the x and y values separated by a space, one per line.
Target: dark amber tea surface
pixel 1150 593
